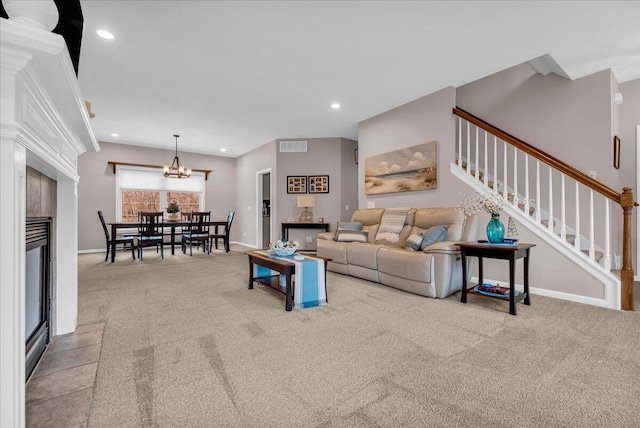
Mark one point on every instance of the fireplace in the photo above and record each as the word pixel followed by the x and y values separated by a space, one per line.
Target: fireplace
pixel 38 289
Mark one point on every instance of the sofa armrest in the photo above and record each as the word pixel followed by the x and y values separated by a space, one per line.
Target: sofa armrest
pixel 444 247
pixel 327 236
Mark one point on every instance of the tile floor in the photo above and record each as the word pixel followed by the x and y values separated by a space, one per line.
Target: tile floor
pixel 60 390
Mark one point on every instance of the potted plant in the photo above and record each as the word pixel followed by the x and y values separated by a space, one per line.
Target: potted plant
pixel 173 211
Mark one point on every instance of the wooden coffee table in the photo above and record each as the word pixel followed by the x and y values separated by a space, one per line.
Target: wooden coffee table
pixel 283 266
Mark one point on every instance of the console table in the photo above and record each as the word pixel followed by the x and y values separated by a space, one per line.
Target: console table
pixel 298 225
pixel 502 252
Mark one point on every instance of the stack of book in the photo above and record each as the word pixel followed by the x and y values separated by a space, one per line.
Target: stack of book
pixel 505 242
pixel 494 290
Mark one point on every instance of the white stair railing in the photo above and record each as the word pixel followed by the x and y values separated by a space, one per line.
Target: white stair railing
pixel 551 193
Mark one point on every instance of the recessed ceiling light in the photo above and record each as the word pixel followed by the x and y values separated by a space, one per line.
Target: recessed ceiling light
pixel 335 106
pixel 223 150
pixel 115 135
pixel 105 34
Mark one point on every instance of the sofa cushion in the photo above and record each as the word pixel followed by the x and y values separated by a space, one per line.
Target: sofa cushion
pixel 326 236
pixel 372 230
pixel 414 266
pixel 454 217
pixel 368 217
pixel 434 234
pixel 336 251
pixel 363 254
pixel 348 235
pixel 413 242
pixel 370 220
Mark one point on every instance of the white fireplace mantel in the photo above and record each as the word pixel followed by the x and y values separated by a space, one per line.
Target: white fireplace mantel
pixel 45 125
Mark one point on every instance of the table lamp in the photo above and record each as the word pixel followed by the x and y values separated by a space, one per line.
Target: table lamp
pixel 306 201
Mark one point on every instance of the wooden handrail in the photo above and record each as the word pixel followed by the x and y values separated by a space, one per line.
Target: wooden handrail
pixel 543 156
pixel 115 164
pixel 624 199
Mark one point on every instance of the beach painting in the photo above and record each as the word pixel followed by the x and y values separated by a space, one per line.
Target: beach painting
pixel 404 170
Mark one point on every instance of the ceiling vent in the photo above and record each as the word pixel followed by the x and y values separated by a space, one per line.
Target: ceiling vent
pixel 293 146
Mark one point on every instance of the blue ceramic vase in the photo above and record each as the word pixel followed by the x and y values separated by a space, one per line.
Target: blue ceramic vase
pixel 495 229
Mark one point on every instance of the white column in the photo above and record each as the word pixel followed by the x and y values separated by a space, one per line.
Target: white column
pixel 12 282
pixel 66 292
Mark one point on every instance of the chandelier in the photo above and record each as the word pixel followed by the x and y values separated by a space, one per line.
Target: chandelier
pixel 176 170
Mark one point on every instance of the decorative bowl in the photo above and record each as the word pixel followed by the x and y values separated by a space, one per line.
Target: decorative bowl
pixel 281 248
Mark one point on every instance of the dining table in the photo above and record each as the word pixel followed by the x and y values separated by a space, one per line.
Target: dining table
pixel 166 224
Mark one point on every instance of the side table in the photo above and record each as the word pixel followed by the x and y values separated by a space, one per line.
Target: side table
pixel 502 252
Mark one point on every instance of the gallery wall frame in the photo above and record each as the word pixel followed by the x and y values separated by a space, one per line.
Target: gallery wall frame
pixel 616 152
pixel 296 184
pixel 318 184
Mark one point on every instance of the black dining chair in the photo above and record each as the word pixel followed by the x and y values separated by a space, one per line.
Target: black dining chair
pixel 197 231
pixel 224 235
pixel 150 225
pixel 126 240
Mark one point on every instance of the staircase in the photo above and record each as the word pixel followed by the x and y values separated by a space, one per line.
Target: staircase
pixel 562 206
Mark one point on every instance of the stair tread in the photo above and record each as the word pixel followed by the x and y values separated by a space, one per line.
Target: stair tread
pixel 598 255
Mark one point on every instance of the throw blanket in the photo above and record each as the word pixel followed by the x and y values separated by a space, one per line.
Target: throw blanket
pixel 308 281
pixel 391 224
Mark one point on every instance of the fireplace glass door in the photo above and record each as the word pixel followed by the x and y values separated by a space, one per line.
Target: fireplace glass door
pixel 37 278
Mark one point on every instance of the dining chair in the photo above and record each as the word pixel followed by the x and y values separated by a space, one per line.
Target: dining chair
pixel 197 231
pixel 224 235
pixel 119 240
pixel 150 225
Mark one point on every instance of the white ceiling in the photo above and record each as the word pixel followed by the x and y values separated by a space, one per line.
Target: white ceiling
pixel 237 75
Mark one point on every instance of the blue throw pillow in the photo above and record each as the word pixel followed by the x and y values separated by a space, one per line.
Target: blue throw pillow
pixel 434 234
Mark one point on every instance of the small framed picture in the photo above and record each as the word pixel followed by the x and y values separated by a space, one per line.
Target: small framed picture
pixel 291 220
pixel 318 184
pixel 616 152
pixel 320 219
pixel 296 184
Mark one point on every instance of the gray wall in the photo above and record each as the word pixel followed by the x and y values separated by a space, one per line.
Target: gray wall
pixel 244 225
pixel 97 186
pixel 426 119
pixel 324 156
pixel 349 181
pixel 569 119
pixel 573 120
pixel 628 119
pixel 429 118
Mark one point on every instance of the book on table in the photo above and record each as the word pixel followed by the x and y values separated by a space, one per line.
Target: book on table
pixel 493 290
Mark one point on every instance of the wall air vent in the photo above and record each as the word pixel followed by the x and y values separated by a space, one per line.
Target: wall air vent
pixel 293 146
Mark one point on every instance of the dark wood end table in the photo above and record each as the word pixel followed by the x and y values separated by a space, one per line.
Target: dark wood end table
pixel 501 252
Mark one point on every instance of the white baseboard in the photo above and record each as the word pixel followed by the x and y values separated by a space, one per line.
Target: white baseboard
pixel 244 244
pixel 97 250
pixel 552 293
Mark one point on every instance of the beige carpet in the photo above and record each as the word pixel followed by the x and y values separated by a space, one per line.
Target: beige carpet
pixel 186 344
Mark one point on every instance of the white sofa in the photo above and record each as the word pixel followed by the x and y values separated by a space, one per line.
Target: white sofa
pixel 435 271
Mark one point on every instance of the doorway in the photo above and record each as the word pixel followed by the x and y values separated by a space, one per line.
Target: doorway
pixel 264 200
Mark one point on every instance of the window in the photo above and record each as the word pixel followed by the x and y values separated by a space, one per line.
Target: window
pixel 134 201
pixel 187 201
pixel 146 189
